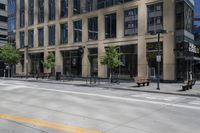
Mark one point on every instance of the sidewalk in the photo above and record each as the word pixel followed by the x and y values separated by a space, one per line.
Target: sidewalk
pixel 165 88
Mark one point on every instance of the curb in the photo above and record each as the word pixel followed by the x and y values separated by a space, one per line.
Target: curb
pixel 106 87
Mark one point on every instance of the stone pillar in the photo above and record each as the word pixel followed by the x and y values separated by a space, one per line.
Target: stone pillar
pixel 70 23
pixel 169 40
pixel 142 26
pixel 102 70
pixel 85 60
pixel 120 22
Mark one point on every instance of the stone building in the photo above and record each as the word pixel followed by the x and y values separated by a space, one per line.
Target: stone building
pixel 65 27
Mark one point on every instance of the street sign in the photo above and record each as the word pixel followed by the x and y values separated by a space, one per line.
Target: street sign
pixel 158 58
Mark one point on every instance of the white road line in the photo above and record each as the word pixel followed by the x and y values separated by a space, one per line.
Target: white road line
pixel 120 98
pixel 156 97
pixel 195 102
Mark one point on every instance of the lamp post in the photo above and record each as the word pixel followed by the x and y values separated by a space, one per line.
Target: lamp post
pixel 26 60
pixel 158 57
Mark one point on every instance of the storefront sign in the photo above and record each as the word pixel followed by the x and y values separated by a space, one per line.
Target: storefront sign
pixel 192 48
pixel 158 58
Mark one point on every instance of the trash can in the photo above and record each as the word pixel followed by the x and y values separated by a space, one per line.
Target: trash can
pixel 58 75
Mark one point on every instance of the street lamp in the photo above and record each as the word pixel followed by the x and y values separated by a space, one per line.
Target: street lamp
pixel 26 60
pixel 158 58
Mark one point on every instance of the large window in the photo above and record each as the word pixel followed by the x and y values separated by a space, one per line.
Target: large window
pixel 52 37
pixel 31 38
pixel 88 5
pixel 52 10
pixel 110 26
pixel 155 17
pixel 22 14
pixel 22 37
pixel 93 28
pixel 41 37
pixel 31 12
pixel 184 17
pixel 40 11
pixel 152 51
pixel 64 33
pixel 108 3
pixel 11 16
pixel 78 31
pixel 131 22
pixel 77 6
pixel 64 8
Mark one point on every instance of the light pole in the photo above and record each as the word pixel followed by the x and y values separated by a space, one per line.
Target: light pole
pixel 26 60
pixel 158 58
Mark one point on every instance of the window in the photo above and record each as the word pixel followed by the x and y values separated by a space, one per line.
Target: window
pixel 64 33
pixel 2 6
pixel 31 38
pixel 22 37
pixel 41 37
pixel 30 12
pixel 88 5
pixel 52 11
pixel 77 7
pixel 155 17
pixel 3 19
pixel 108 3
pixel 93 28
pixel 40 11
pixel 64 8
pixel 131 22
pixel 22 14
pixel 78 31
pixel 52 35
pixel 110 26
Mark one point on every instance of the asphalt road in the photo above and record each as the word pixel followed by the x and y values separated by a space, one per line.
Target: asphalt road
pixel 27 107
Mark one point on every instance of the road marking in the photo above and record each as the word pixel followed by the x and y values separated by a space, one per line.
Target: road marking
pixel 60 127
pixel 196 102
pixel 156 97
pixel 120 98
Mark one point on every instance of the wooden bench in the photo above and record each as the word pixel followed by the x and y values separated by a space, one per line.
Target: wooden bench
pixel 141 80
pixel 42 75
pixel 188 85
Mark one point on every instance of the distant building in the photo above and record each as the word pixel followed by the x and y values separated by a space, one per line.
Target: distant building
pixel 64 26
pixel 11 21
pixel 3 22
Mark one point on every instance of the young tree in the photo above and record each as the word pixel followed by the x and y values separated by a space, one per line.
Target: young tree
pixel 50 62
pixel 111 59
pixel 9 55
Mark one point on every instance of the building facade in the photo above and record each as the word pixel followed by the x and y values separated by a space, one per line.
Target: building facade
pixel 78 32
pixel 3 22
pixel 3 30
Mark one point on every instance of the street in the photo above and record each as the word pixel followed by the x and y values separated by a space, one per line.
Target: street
pixel 33 107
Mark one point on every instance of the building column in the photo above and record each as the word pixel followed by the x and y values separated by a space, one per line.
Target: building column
pixel 169 40
pixel 85 60
pixel 142 28
pixel 102 70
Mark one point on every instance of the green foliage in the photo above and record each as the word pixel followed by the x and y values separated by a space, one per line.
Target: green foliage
pixel 50 62
pixel 9 54
pixel 112 58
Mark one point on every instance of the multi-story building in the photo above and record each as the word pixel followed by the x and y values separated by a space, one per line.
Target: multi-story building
pixel 3 30
pixel 3 22
pixel 66 27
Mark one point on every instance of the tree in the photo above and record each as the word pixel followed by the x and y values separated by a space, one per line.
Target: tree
pixel 111 59
pixel 10 56
pixel 50 62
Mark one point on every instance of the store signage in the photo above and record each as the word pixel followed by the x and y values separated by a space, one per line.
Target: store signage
pixel 192 48
pixel 158 58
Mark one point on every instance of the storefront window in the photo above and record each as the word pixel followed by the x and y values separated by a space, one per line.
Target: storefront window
pixel 72 63
pixel 152 52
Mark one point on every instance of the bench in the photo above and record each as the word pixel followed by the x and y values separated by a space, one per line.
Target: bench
pixel 42 75
pixel 141 81
pixel 188 85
